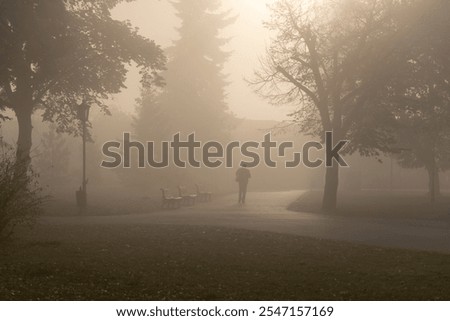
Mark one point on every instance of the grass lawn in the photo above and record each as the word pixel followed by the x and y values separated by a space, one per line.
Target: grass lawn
pixel 387 204
pixel 165 262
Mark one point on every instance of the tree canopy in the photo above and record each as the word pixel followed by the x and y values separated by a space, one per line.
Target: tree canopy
pixel 333 59
pixel 419 96
pixel 56 53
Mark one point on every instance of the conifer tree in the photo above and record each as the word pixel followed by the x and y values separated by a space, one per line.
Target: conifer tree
pixel 194 98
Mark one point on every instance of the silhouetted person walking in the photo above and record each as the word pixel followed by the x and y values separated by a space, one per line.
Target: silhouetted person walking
pixel 242 177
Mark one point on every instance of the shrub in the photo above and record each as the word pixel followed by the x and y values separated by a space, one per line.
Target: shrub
pixel 21 197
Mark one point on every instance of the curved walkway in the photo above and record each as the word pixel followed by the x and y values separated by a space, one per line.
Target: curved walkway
pixel 267 212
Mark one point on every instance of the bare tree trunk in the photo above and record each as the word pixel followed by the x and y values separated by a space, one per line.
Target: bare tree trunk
pixel 24 142
pixel 329 202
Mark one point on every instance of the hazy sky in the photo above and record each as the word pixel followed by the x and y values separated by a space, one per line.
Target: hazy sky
pixel 156 20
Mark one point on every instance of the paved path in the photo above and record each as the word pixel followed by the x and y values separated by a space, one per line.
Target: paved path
pixel 267 212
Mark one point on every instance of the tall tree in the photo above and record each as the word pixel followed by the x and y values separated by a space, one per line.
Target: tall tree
pixel 57 53
pixel 420 96
pixel 331 58
pixel 194 98
pixel 426 137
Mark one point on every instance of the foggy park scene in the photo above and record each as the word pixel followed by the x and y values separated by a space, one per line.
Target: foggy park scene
pixel 224 150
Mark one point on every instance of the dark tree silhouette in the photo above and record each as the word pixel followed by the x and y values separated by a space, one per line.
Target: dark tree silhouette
pixel 426 136
pixel 332 59
pixel 420 96
pixel 56 53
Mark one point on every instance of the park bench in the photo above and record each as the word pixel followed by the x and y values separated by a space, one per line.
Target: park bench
pixel 170 201
pixel 188 199
pixel 203 196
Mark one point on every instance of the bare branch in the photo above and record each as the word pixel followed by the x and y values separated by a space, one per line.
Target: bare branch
pixel 299 85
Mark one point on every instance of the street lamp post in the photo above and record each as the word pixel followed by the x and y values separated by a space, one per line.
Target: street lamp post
pixel 81 194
